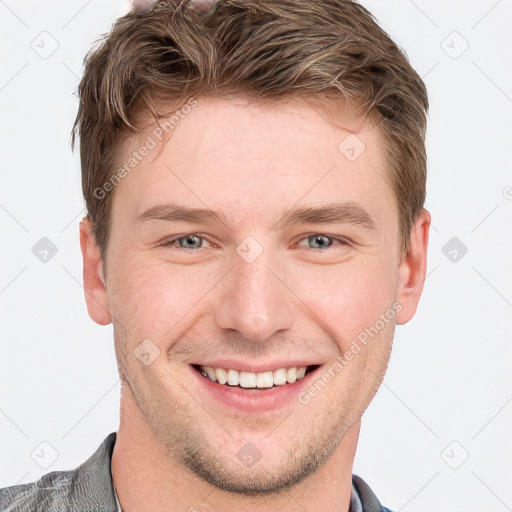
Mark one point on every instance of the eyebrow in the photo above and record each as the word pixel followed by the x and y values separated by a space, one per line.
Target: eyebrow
pixel 333 213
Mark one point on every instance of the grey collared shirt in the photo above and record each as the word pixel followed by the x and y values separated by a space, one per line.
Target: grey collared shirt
pixel 117 498
pixel 90 488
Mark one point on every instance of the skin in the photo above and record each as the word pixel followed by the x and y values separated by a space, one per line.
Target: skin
pixel 177 449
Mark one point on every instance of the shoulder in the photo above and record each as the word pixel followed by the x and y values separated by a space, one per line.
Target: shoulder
pixel 86 488
pixel 369 500
pixel 50 492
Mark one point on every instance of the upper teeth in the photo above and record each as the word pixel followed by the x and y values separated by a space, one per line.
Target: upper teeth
pixel 254 380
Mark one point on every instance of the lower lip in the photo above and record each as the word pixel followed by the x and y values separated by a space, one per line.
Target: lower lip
pixel 254 401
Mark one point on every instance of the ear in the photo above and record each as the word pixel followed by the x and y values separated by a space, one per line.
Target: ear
pixel 412 269
pixel 94 280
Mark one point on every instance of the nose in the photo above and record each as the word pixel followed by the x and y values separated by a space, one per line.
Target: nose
pixel 254 300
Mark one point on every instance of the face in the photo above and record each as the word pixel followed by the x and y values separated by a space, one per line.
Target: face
pixel 295 260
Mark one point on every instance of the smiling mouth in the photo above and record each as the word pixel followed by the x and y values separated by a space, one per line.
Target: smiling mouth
pixel 249 380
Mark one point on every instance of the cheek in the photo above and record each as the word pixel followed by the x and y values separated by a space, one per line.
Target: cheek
pixel 349 297
pixel 155 300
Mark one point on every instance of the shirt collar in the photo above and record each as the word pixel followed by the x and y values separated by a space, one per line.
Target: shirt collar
pixel 355 501
pixel 117 499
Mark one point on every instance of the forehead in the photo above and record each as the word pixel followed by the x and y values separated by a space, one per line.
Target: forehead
pixel 246 158
pixel 220 122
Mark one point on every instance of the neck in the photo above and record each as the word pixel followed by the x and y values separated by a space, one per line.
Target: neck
pixel 146 477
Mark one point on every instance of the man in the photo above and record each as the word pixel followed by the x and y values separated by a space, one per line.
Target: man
pixel 254 176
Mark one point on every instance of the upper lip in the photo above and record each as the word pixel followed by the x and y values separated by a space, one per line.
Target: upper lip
pixel 253 367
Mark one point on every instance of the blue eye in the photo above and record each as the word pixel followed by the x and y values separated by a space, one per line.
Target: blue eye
pixel 324 241
pixel 320 241
pixel 188 242
pixel 193 242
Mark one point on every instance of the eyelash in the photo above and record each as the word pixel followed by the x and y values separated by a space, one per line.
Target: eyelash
pixel 341 242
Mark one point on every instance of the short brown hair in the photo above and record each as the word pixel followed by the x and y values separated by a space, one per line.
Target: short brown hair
pixel 266 50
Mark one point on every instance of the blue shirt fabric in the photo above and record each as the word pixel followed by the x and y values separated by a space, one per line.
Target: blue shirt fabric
pixel 90 488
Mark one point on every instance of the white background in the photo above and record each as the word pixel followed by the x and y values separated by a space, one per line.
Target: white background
pixel 448 391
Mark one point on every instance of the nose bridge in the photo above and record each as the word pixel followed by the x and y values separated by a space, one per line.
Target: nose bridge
pixel 253 300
